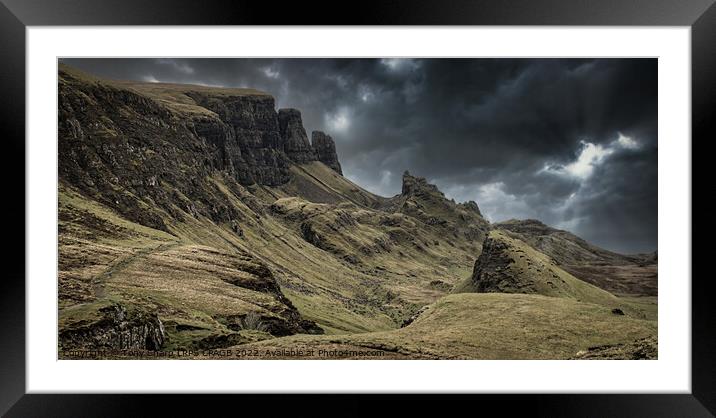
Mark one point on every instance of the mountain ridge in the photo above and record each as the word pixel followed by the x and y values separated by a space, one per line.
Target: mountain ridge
pixel 203 217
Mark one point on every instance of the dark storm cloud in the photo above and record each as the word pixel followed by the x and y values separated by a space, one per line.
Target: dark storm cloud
pixel 571 142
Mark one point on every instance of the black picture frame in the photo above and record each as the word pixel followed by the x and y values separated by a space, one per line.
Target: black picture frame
pixel 15 15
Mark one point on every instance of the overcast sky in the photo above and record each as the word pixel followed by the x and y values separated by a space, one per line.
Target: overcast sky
pixel 570 142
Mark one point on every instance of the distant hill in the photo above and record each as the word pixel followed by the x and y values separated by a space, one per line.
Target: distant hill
pixel 625 274
pixel 509 265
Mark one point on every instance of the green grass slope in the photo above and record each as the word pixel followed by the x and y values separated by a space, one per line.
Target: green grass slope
pixel 635 274
pixel 479 326
pixel 513 266
pixel 509 265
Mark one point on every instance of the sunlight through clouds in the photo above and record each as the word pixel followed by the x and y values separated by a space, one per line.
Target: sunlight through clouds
pixel 400 64
pixel 590 156
pixel 627 142
pixel 339 121
pixel 270 72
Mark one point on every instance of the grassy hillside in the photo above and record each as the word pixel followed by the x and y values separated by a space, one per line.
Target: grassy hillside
pixel 369 276
pixel 183 224
pixel 509 265
pixel 618 273
pixel 527 270
pixel 481 326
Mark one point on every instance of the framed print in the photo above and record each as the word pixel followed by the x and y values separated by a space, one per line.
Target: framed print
pixel 467 198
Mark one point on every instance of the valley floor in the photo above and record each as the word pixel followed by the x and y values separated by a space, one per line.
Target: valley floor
pixel 480 326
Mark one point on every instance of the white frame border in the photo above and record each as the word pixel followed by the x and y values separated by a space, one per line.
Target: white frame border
pixel 671 373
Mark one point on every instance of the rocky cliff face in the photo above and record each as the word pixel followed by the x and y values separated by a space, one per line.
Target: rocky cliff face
pixel 233 130
pixel 146 149
pixel 491 272
pixel 119 147
pixel 293 137
pixel 248 128
pixel 326 150
pixel 115 328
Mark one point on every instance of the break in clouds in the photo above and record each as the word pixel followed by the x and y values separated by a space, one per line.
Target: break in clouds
pixel 572 142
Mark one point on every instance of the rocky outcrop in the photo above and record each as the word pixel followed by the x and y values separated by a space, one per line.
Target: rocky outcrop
pixel 115 328
pixel 278 317
pixel 491 272
pixel 414 316
pixel 277 326
pixel 619 273
pixel 418 186
pixel 325 149
pixel 471 206
pixel 424 201
pixel 293 137
pixel 258 277
pixel 509 265
pixel 641 349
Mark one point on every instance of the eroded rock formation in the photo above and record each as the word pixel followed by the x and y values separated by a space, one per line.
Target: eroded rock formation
pixel 254 123
pixel 123 144
pixel 419 186
pixel 491 272
pixel 293 137
pixel 325 149
pixel 424 201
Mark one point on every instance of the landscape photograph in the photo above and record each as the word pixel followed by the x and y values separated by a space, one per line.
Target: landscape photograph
pixel 357 208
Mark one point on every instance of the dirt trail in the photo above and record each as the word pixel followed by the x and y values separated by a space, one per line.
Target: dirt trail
pixel 99 281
